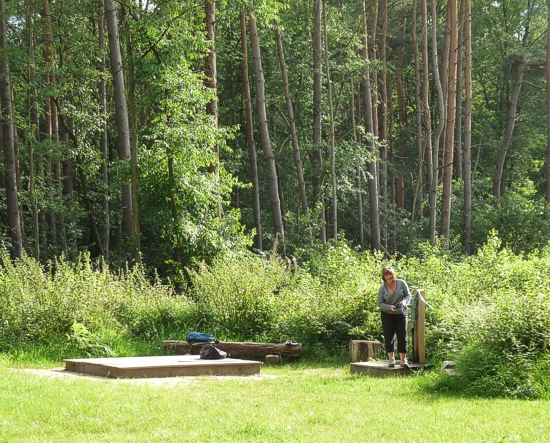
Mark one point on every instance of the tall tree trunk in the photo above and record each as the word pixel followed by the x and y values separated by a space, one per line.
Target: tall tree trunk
pixel 264 133
pixel 520 67
pixel 47 55
pixel 359 172
pixel 332 135
pixel 211 73
pixel 60 219
pixel 450 120
pixel 418 195
pixel 439 130
pixel 68 187
pixel 316 154
pixel 498 185
pixel 57 221
pixel 105 229
pixel 374 83
pixel 123 127
pixel 382 126
pixel 67 180
pixel 12 201
pixel 425 96
pixel 467 159
pixel 458 126
pixel 371 164
pixel 292 125
pixel 402 119
pixel 250 137
pixel 280 189
pixel 134 133
pixel 444 78
pixel 32 139
pixel 548 106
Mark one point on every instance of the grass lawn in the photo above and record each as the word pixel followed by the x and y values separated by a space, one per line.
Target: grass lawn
pixel 302 402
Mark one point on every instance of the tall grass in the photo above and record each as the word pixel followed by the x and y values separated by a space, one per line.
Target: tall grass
pixel 272 298
pixel 84 308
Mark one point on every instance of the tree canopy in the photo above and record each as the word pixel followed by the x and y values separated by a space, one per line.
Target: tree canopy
pixel 167 132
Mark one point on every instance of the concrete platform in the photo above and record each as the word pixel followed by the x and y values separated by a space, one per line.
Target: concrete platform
pixel 162 366
pixel 380 368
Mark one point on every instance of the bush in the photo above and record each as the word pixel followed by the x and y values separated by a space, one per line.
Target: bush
pixel 39 306
pixel 252 297
pixel 493 320
pixel 235 296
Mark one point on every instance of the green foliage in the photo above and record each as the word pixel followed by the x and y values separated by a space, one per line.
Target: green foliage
pixel 87 343
pixel 271 298
pixel 83 306
pixel 236 295
pixel 491 316
pixel 489 312
pixel 502 353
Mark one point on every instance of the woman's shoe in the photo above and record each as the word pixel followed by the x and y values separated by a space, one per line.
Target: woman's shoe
pixel 405 363
pixel 392 363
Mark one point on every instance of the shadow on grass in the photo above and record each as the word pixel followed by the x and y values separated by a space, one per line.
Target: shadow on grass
pixel 435 385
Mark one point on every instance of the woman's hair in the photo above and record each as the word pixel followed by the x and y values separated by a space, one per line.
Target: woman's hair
pixel 388 270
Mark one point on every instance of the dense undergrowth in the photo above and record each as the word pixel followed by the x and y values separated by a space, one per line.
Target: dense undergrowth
pixel 489 312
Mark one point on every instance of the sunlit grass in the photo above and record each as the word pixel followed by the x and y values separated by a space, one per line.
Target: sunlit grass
pixel 303 401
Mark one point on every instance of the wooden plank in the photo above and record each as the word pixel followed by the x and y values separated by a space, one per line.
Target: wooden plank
pixel 380 368
pixel 161 366
pixel 420 331
pixel 238 349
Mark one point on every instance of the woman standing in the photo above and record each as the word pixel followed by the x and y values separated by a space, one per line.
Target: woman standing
pixel 393 298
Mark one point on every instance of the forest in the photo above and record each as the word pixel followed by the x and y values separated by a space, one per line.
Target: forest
pixel 167 132
pixel 248 168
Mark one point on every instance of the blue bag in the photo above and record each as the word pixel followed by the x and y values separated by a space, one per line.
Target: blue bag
pixel 199 337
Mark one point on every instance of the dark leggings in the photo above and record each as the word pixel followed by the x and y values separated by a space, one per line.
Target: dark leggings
pixel 392 324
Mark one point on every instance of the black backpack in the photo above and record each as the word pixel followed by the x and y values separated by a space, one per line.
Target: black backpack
pixel 212 353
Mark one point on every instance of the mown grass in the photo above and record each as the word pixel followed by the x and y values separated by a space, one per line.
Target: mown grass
pixel 298 402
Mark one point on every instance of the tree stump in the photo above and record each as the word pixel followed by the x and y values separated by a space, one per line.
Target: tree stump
pixel 272 359
pixel 363 350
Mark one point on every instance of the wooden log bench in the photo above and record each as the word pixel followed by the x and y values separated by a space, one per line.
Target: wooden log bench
pixel 237 349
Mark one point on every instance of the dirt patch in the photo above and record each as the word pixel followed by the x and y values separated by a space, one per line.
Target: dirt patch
pixel 68 375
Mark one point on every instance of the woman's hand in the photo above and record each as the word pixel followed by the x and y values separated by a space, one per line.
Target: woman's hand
pixel 393 308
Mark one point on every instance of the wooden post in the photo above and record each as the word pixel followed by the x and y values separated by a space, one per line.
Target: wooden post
pixel 363 350
pixel 420 330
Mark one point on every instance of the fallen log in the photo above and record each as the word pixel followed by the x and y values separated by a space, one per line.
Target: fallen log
pixel 238 349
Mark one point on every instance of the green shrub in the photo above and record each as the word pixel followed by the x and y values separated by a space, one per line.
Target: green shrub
pixel 332 300
pixel 87 343
pixel 491 316
pixel 253 297
pixel 39 306
pixel 502 353
pixel 235 294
